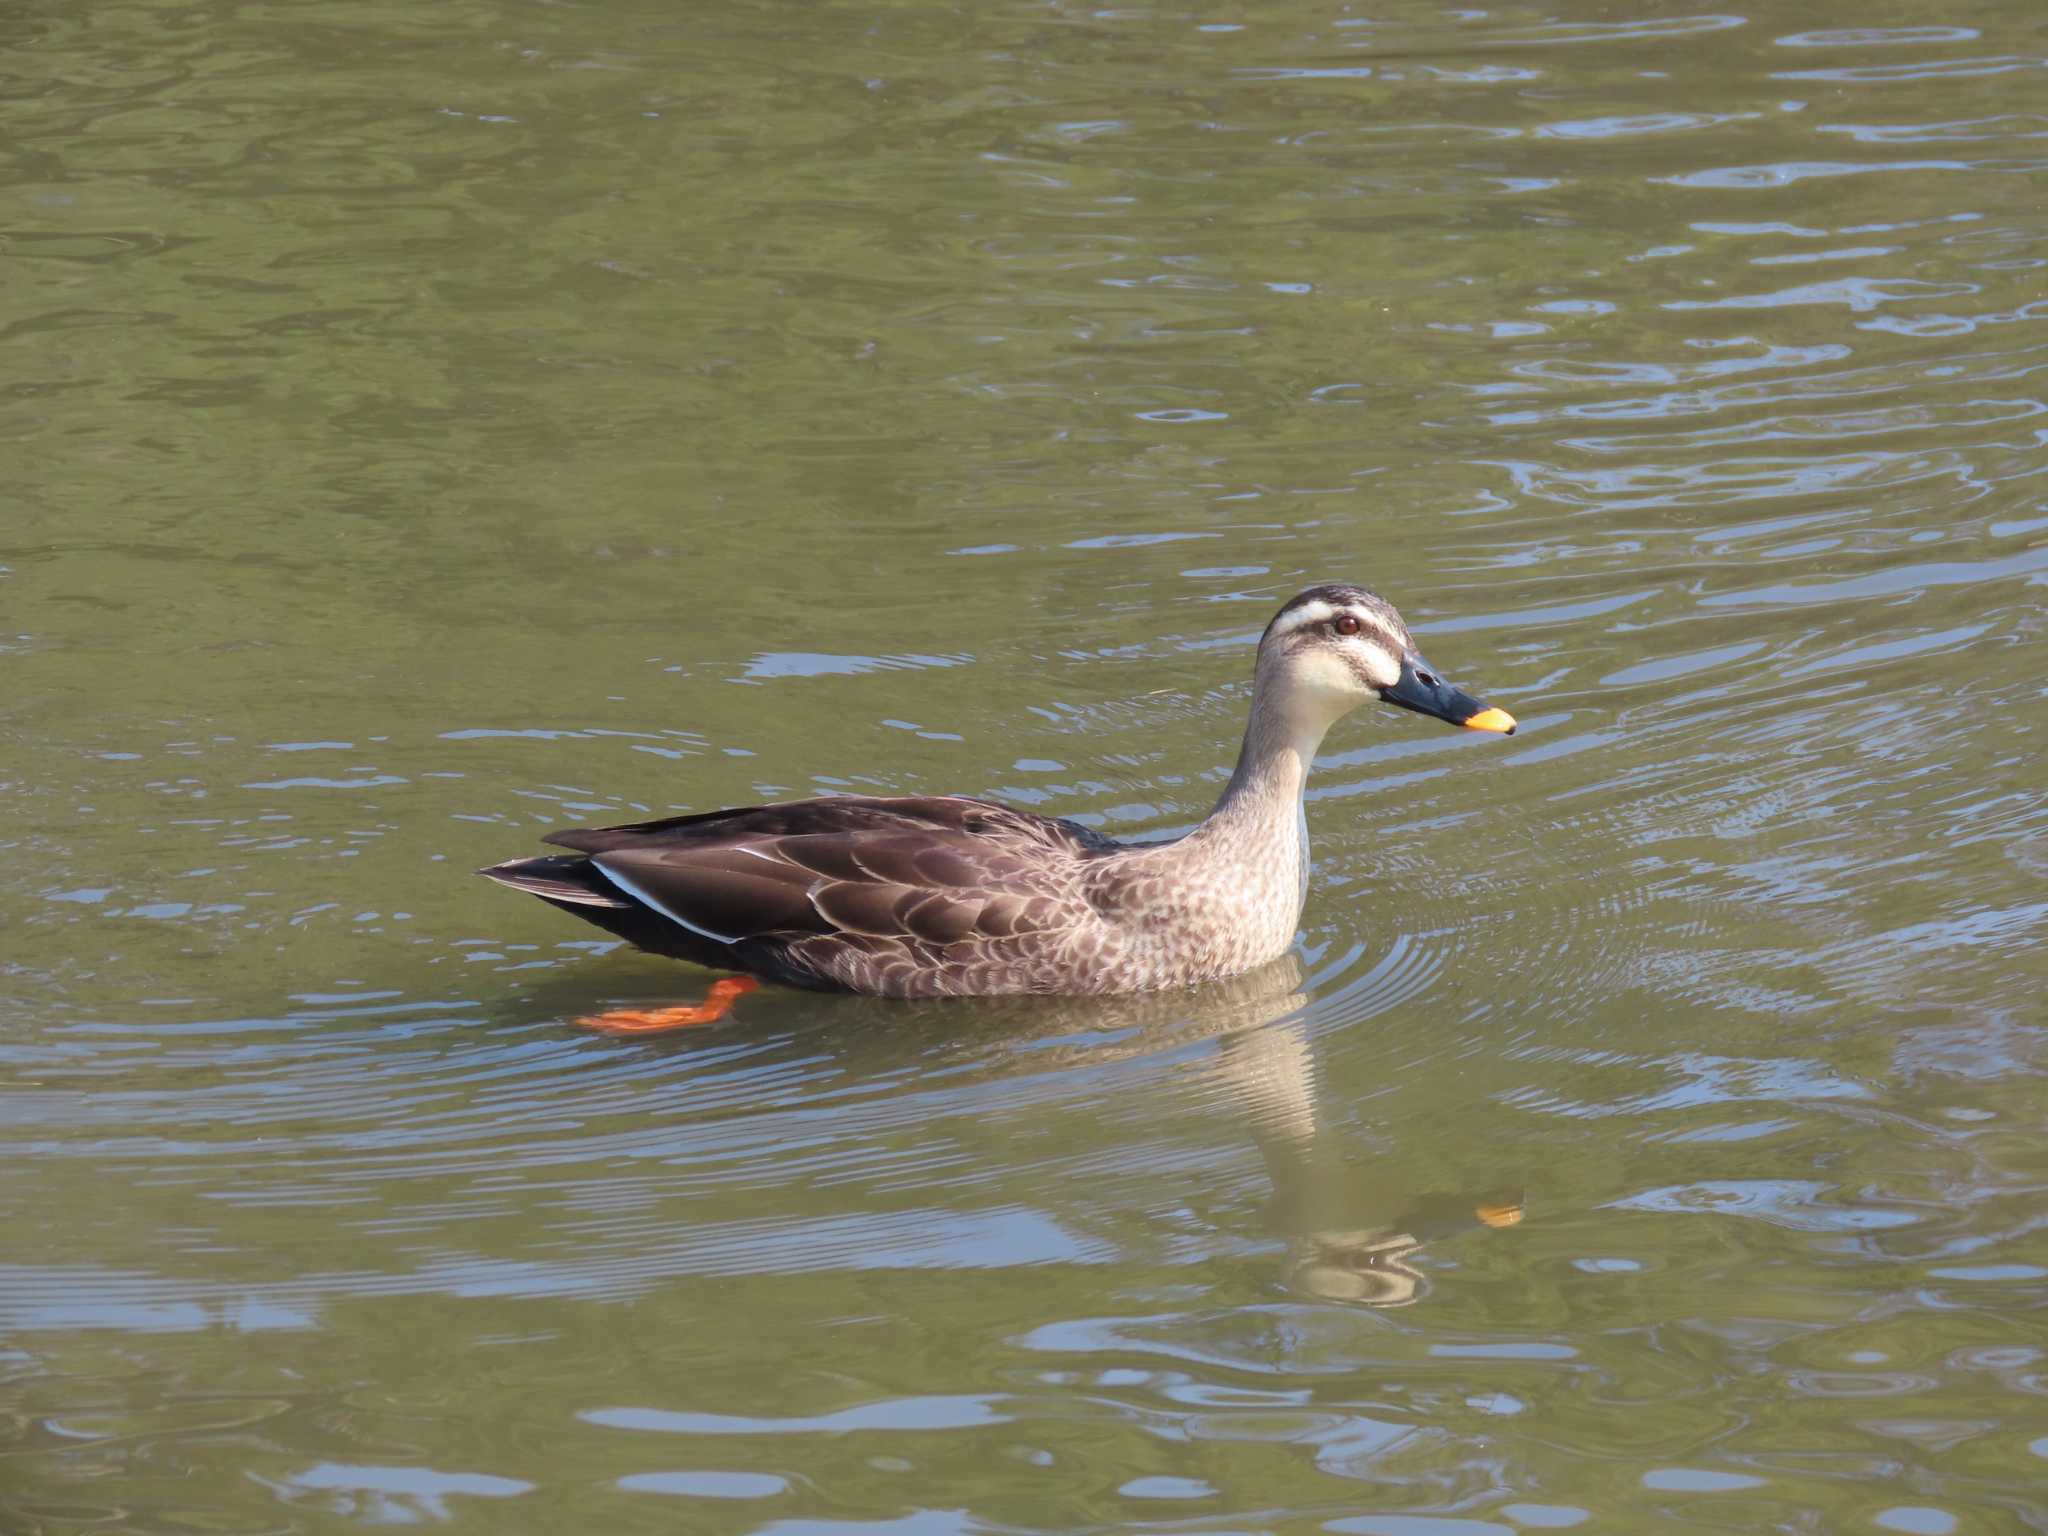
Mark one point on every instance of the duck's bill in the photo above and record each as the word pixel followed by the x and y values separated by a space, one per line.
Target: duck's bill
pixel 1421 690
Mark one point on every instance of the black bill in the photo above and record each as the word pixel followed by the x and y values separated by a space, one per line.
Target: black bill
pixel 1421 690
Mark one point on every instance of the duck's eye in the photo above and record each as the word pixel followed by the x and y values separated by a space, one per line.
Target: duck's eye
pixel 1347 624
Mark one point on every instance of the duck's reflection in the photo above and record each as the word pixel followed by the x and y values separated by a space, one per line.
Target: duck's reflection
pixel 1245 1046
pixel 1348 1237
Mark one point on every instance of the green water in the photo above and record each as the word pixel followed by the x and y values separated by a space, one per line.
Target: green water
pixel 428 425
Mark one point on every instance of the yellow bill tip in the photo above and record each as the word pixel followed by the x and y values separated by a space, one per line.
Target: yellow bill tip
pixel 1498 1215
pixel 1491 720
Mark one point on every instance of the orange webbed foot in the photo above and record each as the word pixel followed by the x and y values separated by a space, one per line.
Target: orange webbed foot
pixel 653 1021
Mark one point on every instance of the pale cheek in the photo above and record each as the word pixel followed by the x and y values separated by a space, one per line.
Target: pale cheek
pixel 1328 676
pixel 1383 669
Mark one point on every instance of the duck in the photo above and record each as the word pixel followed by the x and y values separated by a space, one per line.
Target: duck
pixel 943 896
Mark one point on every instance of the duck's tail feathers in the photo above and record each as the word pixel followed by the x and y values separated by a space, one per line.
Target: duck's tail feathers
pixel 567 878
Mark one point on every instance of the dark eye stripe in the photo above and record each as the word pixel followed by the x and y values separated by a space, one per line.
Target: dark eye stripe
pixel 1327 630
pixel 1367 630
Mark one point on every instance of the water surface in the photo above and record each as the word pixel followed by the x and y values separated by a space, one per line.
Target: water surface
pixel 430 426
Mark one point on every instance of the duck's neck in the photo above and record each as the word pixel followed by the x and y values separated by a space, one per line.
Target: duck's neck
pixel 1262 801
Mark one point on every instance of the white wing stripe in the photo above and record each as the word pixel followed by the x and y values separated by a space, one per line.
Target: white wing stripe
pixel 626 884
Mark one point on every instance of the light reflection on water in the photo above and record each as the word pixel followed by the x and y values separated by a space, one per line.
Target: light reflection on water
pixel 433 428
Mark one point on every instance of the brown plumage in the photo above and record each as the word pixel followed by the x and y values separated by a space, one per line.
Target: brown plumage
pixel 851 893
pixel 947 896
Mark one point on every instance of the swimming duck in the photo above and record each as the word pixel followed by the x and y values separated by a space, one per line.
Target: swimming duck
pixel 951 896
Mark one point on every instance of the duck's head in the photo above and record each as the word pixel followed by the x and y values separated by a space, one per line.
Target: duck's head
pixel 1334 647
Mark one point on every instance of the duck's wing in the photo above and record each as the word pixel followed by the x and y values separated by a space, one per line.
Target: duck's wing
pixel 923 882
pixel 843 814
